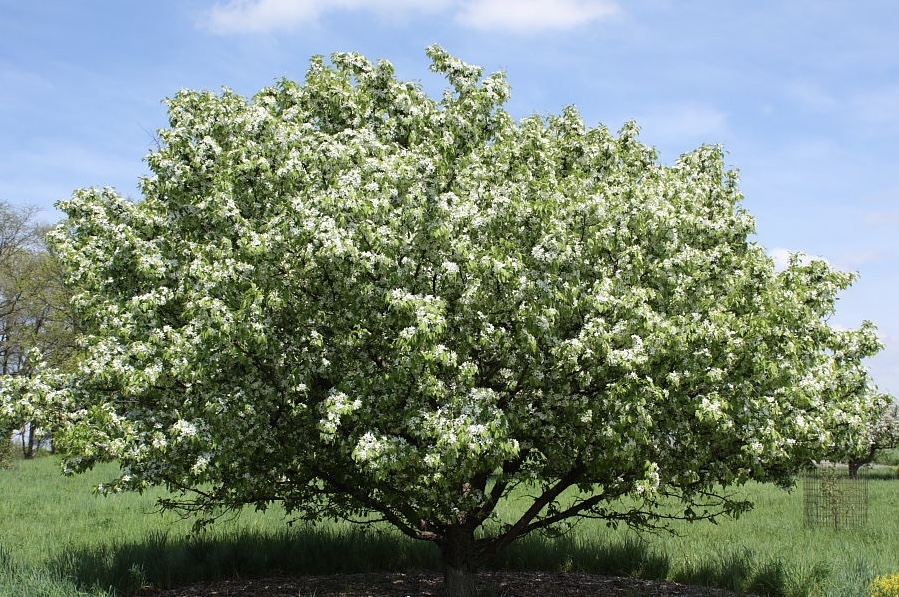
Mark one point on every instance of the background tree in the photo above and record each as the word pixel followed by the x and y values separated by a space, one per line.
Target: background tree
pixel 35 321
pixel 355 300
pixel 884 435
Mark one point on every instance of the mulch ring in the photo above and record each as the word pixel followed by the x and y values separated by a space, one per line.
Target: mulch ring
pixel 429 584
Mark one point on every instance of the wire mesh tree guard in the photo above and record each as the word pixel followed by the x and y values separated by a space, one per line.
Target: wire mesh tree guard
pixel 833 499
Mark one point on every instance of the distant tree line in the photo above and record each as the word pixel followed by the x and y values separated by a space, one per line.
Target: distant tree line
pixel 36 323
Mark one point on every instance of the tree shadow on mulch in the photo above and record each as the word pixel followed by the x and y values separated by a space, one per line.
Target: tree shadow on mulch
pixel 161 561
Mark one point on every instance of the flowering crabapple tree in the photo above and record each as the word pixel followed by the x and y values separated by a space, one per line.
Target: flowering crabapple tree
pixel 361 302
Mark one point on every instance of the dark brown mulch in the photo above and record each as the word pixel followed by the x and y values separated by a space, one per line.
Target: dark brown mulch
pixel 429 584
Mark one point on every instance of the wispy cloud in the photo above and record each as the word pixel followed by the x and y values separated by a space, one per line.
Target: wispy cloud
pixel 873 108
pixel 681 124
pixel 812 96
pixel 259 16
pixel 19 87
pixel 51 169
pixel 527 16
pixel 877 108
pixel 855 260
pixel 883 218
pixel 520 16
pixel 883 210
pixel 847 261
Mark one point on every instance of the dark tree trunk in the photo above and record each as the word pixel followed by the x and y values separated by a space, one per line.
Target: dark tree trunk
pixel 854 465
pixel 461 562
pixel 859 461
pixel 28 441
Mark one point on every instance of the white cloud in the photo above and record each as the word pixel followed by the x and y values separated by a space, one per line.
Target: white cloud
pixel 259 16
pixel 782 258
pixel 526 16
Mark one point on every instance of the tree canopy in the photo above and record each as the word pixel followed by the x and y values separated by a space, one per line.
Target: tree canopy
pixel 353 299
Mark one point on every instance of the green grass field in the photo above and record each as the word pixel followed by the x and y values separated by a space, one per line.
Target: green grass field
pixel 57 538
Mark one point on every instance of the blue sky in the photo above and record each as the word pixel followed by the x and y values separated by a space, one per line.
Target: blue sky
pixel 803 94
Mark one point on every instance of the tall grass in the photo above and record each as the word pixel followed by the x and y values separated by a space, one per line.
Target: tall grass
pixel 30 580
pixel 59 539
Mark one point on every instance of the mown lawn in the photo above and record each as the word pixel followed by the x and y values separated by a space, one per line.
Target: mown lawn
pixel 57 538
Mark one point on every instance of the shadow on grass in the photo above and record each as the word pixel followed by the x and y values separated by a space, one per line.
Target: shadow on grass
pixel 161 561
pixel 631 557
